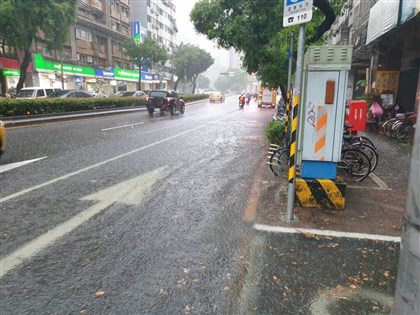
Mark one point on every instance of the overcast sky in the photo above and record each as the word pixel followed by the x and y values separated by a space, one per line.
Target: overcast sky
pixel 186 31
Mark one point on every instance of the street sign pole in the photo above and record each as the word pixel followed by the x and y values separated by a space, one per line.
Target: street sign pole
pixel 295 12
pixel 289 74
pixel 294 119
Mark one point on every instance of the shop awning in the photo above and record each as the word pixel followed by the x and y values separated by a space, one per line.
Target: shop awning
pixel 45 65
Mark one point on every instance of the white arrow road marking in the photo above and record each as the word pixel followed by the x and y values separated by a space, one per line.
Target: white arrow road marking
pixel 130 192
pixel 8 167
pixel 130 125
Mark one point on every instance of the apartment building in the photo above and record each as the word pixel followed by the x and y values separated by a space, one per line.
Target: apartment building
pixel 157 20
pixel 92 52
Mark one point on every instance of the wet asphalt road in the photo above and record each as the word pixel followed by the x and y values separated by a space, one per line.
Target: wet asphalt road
pixel 182 246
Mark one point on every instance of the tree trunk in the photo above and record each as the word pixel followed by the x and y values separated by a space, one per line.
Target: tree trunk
pixel 176 84
pixel 23 67
pixel 194 83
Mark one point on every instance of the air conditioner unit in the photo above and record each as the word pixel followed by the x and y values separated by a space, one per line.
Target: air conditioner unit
pixel 153 11
pixel 89 59
pixel 78 56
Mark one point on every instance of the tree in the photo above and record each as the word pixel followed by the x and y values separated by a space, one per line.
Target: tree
pixel 203 82
pixel 190 61
pixel 254 27
pixel 144 54
pixel 22 21
pixel 233 79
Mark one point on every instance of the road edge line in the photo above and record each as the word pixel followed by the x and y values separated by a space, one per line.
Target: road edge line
pixel 332 233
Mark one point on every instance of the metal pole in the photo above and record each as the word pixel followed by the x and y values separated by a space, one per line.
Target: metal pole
pixel 289 84
pixel 289 75
pixel 294 118
pixel 62 72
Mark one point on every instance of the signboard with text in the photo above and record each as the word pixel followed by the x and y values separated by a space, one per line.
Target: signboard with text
pixel 297 12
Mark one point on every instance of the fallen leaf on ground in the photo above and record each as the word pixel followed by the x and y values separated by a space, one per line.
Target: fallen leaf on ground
pixel 353 286
pixel 83 312
pixel 341 298
pixel 100 293
pixel 340 288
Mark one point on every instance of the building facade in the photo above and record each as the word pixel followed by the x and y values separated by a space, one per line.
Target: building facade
pixel 386 50
pixel 157 20
pixel 93 57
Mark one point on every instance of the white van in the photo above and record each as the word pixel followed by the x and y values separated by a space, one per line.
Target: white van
pixel 36 92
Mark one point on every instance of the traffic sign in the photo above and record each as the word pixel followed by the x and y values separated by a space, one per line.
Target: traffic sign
pixel 297 12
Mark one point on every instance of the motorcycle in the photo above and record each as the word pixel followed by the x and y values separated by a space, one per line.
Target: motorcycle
pixel 241 101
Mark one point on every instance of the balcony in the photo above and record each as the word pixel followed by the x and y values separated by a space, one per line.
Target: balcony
pixel 84 47
pixel 125 2
pixel 97 7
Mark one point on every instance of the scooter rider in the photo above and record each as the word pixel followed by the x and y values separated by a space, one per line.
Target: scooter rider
pixel 241 100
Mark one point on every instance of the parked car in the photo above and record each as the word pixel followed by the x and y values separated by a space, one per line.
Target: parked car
pixel 36 92
pixel 2 138
pixel 99 94
pixel 119 93
pixel 140 93
pixel 128 93
pixel 76 94
pixel 217 96
pixel 165 101
pixel 58 93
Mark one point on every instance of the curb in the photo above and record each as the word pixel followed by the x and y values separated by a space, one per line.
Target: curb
pixel 19 121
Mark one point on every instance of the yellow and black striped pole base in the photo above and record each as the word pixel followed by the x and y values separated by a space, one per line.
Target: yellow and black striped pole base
pixel 321 193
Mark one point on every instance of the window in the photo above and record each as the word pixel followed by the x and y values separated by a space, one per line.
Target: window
pixel 84 35
pixel 40 93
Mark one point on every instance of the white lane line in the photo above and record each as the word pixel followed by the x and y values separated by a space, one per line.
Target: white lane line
pixel 362 236
pixel 124 126
pixel 8 167
pixel 378 181
pixel 55 180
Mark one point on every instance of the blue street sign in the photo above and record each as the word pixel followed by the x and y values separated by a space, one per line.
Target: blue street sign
pixel 291 2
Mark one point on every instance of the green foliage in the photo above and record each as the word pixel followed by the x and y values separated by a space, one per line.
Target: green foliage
pixel 22 20
pixel 203 82
pixel 254 28
pixel 194 97
pixel 19 107
pixel 235 83
pixel 274 131
pixel 190 61
pixel 22 107
pixel 145 53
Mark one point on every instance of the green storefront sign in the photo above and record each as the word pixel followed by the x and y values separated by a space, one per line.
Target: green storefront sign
pixel 11 73
pixel 45 65
pixel 126 75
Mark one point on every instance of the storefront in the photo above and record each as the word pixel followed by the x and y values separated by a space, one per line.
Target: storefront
pixel 54 74
pixel 395 41
pixel 9 74
pixel 109 80
pixel 128 80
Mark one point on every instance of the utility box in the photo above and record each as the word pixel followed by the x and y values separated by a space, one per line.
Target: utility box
pixel 357 115
pixel 322 110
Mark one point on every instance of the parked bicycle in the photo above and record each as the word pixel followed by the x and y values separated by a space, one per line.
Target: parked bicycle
pixel 401 127
pixel 359 157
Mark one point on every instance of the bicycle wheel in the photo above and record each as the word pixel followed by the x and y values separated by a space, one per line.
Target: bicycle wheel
pixel 371 153
pixel 386 127
pixel 279 161
pixel 355 163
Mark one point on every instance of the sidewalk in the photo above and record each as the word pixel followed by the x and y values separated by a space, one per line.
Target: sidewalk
pixel 374 206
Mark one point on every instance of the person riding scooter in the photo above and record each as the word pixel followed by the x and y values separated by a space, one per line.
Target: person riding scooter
pixel 241 101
